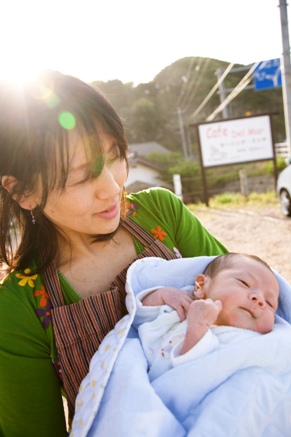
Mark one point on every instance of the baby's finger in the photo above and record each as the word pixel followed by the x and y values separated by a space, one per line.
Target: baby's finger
pixel 218 303
pixel 181 313
pixel 186 304
pixel 183 309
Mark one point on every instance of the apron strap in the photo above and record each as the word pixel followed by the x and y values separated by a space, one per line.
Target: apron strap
pixel 79 329
pixel 153 247
pixel 53 286
pixel 138 232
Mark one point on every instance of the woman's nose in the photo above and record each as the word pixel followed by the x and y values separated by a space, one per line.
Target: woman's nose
pixel 106 184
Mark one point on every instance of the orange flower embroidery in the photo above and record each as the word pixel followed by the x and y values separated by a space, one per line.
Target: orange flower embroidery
pixel 159 234
pixel 43 294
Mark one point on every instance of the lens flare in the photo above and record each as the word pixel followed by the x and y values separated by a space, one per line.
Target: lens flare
pixel 49 96
pixel 67 120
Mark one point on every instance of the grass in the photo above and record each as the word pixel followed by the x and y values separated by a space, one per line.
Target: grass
pixel 235 200
pixel 222 174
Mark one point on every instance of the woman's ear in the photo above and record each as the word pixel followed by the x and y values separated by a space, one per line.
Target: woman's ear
pixel 25 201
pixel 199 284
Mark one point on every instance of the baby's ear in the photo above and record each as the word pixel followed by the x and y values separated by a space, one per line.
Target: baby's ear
pixel 199 284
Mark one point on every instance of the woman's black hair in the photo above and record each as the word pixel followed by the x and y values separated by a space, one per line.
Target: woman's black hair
pixel 36 123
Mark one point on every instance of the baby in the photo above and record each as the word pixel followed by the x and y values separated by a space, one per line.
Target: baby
pixel 235 290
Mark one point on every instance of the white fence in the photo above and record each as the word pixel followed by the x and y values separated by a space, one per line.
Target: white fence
pixel 282 149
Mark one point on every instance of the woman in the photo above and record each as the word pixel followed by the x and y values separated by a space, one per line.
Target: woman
pixel 68 233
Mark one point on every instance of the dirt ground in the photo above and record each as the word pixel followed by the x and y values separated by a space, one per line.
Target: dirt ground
pixel 263 232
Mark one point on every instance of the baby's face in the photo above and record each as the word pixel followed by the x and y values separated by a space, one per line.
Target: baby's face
pixel 249 295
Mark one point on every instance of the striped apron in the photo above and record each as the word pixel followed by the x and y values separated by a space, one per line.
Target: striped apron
pixel 79 328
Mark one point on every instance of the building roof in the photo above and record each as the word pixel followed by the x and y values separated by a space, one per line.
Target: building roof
pixel 144 149
pixel 134 159
pixel 144 173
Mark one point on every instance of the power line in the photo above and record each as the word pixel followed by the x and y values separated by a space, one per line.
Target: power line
pixel 240 86
pixel 210 94
pixel 185 83
pixel 191 93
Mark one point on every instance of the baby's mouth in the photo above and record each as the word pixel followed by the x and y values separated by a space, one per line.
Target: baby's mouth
pixel 249 311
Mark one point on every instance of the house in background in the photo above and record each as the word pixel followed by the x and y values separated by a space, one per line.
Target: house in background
pixel 142 172
pixel 145 149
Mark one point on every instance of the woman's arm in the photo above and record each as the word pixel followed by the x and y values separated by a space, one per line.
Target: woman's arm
pixel 164 216
pixel 30 391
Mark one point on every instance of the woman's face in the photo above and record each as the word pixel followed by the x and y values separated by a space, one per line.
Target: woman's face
pixel 89 205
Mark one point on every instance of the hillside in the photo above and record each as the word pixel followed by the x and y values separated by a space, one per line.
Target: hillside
pixel 156 110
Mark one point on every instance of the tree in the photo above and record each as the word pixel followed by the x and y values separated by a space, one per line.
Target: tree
pixel 150 110
pixel 144 122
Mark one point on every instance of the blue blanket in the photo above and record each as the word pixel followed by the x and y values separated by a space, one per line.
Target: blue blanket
pixel 242 390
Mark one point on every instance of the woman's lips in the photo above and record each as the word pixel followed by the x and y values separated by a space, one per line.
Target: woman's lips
pixel 110 212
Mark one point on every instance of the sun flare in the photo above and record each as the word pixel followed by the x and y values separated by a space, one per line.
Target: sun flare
pixel 19 73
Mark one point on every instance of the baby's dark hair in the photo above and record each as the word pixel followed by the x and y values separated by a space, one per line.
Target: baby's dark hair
pixel 225 261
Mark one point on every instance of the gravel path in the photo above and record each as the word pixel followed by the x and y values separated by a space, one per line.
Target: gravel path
pixel 264 232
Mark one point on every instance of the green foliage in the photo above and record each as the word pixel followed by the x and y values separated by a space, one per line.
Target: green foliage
pixel 220 175
pixel 167 160
pixel 227 198
pixel 269 167
pixel 235 200
pixel 145 121
pixel 186 169
pixel 150 110
pixel 269 197
pixel 150 113
pixel 191 175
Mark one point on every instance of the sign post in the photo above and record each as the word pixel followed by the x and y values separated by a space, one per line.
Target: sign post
pixel 235 141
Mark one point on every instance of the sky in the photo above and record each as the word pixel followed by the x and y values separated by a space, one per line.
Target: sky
pixel 133 40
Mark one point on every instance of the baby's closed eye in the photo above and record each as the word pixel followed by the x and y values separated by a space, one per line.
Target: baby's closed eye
pixel 242 281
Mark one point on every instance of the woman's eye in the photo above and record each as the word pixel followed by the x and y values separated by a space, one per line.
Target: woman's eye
pixel 114 154
pixel 86 178
pixel 81 180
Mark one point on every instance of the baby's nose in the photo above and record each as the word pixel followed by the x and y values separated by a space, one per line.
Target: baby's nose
pixel 258 298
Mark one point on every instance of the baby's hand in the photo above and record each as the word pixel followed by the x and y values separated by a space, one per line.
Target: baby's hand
pixel 204 312
pixel 177 299
pixel 201 315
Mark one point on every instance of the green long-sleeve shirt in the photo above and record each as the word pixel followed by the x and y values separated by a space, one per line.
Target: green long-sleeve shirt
pixel 30 389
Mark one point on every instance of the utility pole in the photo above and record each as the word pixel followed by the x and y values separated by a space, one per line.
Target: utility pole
pixel 182 132
pixel 286 73
pixel 222 93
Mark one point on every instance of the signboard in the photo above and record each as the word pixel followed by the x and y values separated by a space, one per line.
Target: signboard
pixel 268 75
pixel 235 141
